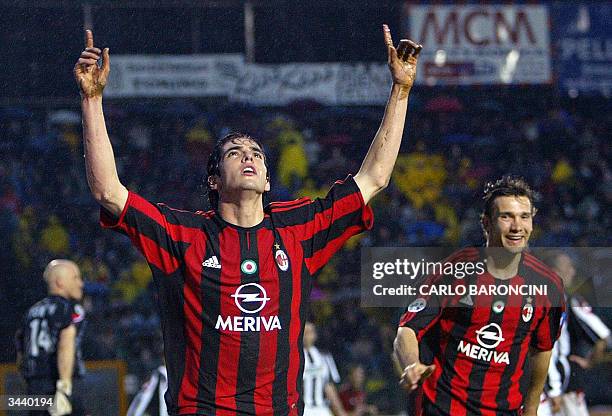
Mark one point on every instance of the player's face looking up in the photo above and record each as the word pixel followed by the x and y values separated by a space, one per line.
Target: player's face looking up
pixel 510 224
pixel 241 168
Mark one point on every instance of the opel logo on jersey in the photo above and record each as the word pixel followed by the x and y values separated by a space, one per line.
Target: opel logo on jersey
pixel 248 266
pixel 282 261
pixel 489 336
pixel 250 298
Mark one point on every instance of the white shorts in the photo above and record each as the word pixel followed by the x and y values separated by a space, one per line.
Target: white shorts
pixel 572 404
pixel 317 411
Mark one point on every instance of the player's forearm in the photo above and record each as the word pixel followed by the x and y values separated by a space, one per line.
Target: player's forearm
pixel 599 351
pixel 99 158
pixel 375 171
pixel 539 361
pixel 334 400
pixel 406 348
pixel 66 353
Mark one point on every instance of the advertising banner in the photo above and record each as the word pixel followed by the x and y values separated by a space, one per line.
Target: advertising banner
pixel 279 84
pixel 173 76
pixel 481 44
pixel 332 84
pixel 583 46
pixel 229 76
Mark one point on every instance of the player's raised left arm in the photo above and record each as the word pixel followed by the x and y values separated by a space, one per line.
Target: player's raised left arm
pixel 539 361
pixel 375 171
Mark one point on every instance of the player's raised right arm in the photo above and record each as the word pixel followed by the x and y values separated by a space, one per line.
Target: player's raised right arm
pixel 99 158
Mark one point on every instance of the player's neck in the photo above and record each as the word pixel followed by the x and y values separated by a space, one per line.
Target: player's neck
pixel 502 264
pixel 57 292
pixel 244 212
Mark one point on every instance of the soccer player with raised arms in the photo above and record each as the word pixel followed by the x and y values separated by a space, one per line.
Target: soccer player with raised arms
pixel 234 282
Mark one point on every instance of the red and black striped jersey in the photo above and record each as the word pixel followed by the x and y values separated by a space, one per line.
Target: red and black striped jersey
pixel 480 342
pixel 233 300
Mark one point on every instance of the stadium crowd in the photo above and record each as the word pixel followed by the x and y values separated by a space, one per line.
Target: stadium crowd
pixel 454 142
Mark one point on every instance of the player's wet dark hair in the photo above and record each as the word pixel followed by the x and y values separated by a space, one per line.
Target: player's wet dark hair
pixel 506 186
pixel 214 161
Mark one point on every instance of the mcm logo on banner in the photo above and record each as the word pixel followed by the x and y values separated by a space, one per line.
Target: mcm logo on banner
pixel 249 298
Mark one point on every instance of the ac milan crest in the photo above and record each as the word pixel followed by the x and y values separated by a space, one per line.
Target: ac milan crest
pixel 527 312
pixel 282 261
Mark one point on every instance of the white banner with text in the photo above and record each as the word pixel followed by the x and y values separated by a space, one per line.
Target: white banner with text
pixel 481 44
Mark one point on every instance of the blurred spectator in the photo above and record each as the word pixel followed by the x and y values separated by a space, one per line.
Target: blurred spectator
pixel 54 237
pixel 292 166
pixel 353 394
pixel 420 176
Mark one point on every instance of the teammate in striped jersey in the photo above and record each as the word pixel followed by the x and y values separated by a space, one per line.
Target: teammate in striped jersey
pixel 234 282
pixel 480 343
pixel 150 399
pixel 320 378
pixel 582 344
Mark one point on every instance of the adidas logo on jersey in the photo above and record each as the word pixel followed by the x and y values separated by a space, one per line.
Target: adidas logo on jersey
pixel 467 300
pixel 212 262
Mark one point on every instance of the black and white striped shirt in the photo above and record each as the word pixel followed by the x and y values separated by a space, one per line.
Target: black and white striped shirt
pixel 319 369
pixel 581 325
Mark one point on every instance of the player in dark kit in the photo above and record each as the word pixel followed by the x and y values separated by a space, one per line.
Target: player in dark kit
pixel 234 282
pixel 48 343
pixel 480 342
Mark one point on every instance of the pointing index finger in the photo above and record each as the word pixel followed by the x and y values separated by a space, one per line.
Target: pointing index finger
pixel 89 39
pixel 387 35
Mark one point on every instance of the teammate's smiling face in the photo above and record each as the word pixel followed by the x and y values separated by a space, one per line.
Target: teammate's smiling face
pixel 241 168
pixel 511 223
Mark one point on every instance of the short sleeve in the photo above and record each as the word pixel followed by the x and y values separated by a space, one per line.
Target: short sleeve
pixel 78 313
pixel 593 326
pixel 425 310
pixel 549 327
pixel 159 232
pixel 325 224
pixel 62 317
pixel 334 375
pixel 422 313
